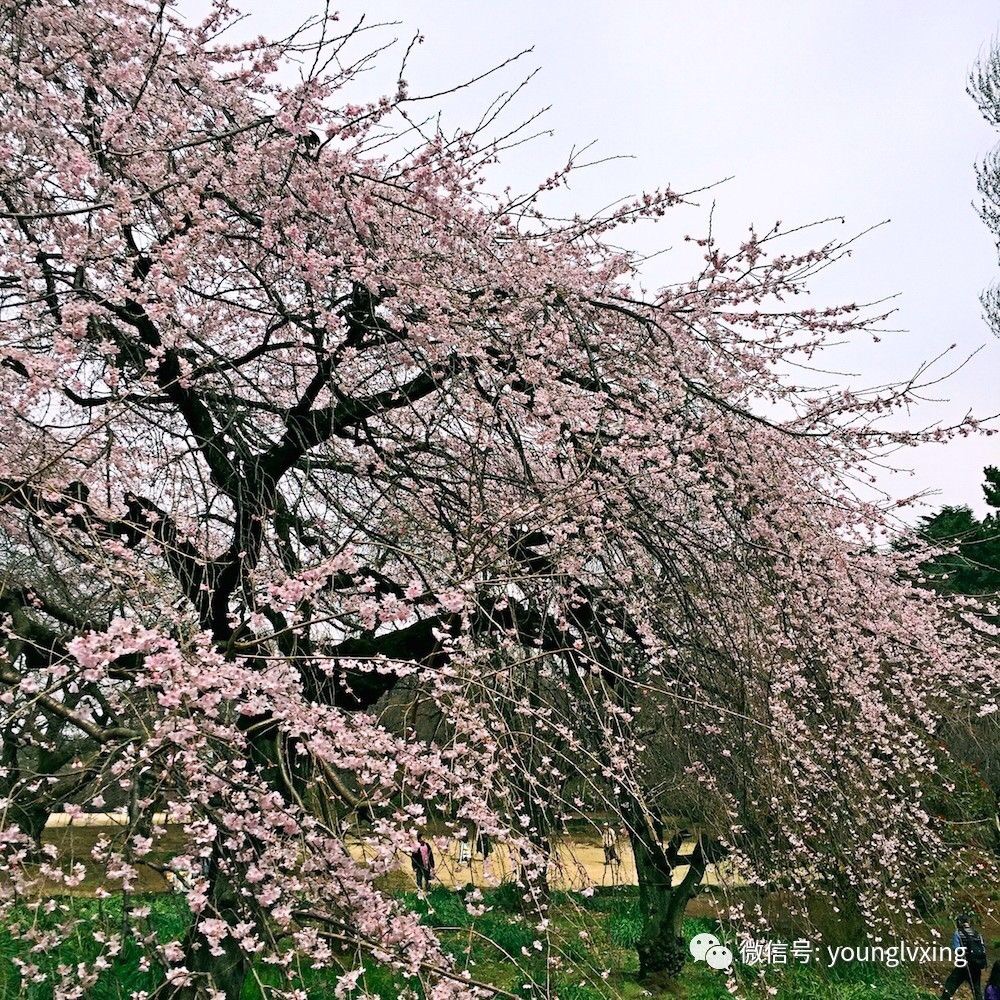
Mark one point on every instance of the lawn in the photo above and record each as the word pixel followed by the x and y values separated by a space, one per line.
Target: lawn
pixel 588 955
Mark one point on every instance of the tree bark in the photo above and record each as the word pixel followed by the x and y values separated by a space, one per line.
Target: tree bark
pixel 226 972
pixel 661 948
pixel 30 817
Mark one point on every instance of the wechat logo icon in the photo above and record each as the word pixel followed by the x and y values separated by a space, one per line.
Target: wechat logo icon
pixel 709 949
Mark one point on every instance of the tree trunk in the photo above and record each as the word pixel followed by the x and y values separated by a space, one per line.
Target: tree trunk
pixel 661 947
pixel 226 972
pixel 30 818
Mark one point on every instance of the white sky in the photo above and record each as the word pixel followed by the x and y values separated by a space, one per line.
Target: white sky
pixel 853 108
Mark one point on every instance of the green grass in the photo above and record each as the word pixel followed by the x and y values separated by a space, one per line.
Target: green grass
pixel 507 896
pixel 625 928
pixel 858 981
pixel 588 954
pixel 439 908
pixel 85 918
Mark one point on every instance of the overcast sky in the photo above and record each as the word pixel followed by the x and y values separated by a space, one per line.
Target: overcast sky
pixel 853 108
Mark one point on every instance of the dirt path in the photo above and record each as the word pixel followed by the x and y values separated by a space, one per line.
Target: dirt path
pixel 576 864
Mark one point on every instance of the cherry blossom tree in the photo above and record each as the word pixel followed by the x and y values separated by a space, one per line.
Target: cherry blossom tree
pixel 984 88
pixel 300 412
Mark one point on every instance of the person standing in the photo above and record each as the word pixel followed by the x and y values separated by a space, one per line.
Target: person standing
pixel 484 843
pixel 612 861
pixel 422 859
pixel 609 841
pixel 970 949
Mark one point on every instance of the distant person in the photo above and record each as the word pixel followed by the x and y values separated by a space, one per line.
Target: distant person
pixel 609 841
pixel 484 844
pixel 422 860
pixel 993 985
pixel 973 948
